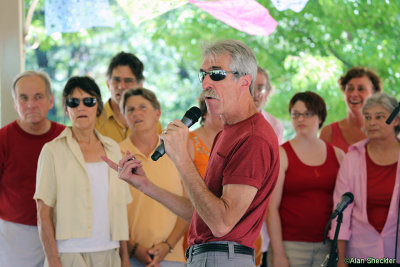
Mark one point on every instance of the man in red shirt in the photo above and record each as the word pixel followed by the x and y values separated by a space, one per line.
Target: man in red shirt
pixel 20 144
pixel 227 208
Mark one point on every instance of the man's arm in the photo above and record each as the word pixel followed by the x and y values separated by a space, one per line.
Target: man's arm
pixel 220 214
pixel 47 233
pixel 179 205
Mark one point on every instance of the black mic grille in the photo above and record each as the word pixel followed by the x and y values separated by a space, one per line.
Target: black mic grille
pixel 194 113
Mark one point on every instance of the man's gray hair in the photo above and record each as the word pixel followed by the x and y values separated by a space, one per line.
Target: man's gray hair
pixel 43 75
pixel 384 100
pixel 243 59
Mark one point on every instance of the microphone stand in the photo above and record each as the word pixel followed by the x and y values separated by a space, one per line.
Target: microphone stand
pixel 393 114
pixel 333 256
pixel 389 121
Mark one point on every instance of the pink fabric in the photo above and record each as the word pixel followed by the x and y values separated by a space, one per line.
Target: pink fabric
pixel 363 240
pixel 276 125
pixel 244 15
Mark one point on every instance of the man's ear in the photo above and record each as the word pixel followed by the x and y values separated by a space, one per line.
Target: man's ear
pixel 158 112
pixel 108 84
pixel 246 81
pixel 51 101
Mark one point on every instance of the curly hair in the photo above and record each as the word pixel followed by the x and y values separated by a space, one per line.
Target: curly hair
pixel 357 72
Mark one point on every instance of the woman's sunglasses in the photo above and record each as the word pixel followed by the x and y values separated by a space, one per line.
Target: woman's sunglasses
pixel 215 75
pixel 87 101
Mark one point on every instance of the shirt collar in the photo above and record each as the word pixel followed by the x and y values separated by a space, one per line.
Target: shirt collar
pixel 67 134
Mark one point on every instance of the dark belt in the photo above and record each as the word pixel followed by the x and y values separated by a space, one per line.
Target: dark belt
pixel 216 247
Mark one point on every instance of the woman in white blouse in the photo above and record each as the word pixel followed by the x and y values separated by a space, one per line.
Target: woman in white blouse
pixel 81 203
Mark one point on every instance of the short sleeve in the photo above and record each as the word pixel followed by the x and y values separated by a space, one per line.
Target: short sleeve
pixel 46 184
pixel 249 163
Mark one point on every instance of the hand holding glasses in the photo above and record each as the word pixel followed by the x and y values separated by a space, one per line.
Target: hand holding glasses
pixel 215 75
pixel 73 102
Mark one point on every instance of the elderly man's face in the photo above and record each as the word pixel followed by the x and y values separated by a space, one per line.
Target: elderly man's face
pixel 221 96
pixel 260 91
pixel 31 100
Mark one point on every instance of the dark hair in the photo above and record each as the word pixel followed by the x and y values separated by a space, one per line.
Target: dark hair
pixel 313 102
pixel 264 72
pixel 203 109
pixel 357 72
pixel 86 84
pixel 127 59
pixel 145 93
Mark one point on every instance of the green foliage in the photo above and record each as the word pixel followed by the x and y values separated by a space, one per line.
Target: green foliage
pixel 308 51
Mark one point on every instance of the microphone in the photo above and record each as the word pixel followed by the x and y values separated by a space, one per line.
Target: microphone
pixel 347 198
pixel 191 117
pixel 393 115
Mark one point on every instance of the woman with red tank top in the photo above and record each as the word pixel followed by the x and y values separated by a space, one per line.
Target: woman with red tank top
pixel 371 172
pixel 357 85
pixel 301 203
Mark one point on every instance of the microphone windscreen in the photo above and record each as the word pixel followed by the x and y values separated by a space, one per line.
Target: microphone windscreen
pixel 194 113
pixel 350 196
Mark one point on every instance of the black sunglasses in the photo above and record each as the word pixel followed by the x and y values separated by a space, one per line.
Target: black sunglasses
pixel 215 75
pixel 87 101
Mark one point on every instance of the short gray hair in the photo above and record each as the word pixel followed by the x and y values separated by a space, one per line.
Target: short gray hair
pixel 243 59
pixel 41 74
pixel 384 100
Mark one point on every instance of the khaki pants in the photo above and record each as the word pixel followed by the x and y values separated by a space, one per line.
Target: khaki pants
pixel 303 254
pixel 107 258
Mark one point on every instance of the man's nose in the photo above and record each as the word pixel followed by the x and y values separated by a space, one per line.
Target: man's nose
pixel 31 102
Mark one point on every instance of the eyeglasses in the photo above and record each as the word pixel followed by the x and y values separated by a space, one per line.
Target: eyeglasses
pixel 87 101
pixel 260 89
pixel 125 80
pixel 306 115
pixel 215 75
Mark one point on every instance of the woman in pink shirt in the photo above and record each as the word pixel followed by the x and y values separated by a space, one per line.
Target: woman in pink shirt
pixel 357 85
pixel 370 171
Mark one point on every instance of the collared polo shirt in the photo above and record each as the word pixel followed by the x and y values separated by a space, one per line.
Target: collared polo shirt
pixel 149 221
